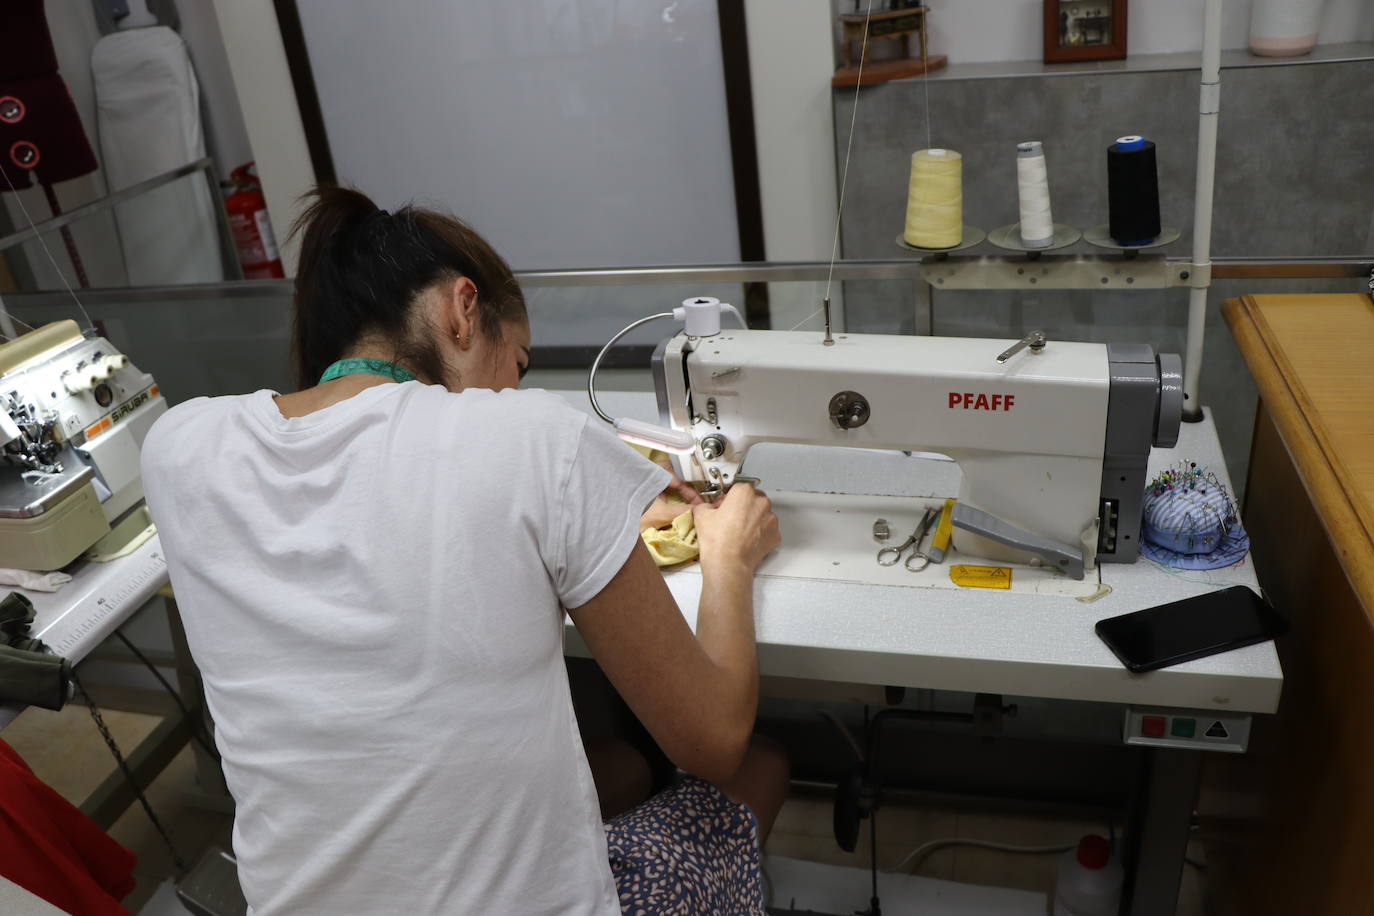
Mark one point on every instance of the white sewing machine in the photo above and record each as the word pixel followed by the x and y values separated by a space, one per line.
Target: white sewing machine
pixel 1052 437
pixel 73 415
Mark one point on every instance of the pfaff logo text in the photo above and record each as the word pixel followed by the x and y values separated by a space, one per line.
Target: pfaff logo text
pixel 970 401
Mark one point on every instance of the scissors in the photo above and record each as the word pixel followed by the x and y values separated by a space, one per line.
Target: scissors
pixel 889 556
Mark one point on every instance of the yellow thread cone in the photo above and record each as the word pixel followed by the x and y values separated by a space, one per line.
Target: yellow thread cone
pixel 935 199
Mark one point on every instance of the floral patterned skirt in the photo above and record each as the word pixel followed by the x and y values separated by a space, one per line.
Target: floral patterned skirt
pixel 688 851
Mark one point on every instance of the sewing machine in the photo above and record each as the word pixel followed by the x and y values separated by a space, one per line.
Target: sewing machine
pixel 73 415
pixel 1052 437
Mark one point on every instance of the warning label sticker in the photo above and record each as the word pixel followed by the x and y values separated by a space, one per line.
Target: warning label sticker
pixel 981 576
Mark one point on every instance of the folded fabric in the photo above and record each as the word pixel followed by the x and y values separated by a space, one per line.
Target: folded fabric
pixel 34 581
pixel 30 676
pixel 674 544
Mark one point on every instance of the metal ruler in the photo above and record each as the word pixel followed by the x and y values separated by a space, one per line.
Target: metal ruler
pixel 98 600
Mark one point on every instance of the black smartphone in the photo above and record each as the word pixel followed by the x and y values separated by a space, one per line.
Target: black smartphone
pixel 1192 628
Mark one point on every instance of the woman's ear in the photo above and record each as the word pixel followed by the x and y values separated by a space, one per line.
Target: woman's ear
pixel 460 310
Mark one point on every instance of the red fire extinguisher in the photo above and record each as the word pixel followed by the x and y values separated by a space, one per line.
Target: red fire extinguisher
pixel 247 209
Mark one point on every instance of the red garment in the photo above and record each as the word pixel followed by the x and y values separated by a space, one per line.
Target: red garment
pixel 40 130
pixel 25 42
pixel 52 850
pixel 41 133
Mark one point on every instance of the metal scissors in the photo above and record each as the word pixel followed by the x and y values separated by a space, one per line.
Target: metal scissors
pixel 889 556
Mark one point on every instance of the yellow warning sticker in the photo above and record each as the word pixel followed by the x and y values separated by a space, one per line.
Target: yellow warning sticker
pixel 981 576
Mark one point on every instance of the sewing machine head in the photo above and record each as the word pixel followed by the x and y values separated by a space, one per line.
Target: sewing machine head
pixel 1052 438
pixel 73 414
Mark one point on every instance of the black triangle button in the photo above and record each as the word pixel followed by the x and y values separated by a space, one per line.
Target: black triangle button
pixel 1217 730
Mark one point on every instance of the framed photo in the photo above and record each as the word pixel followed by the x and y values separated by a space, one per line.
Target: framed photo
pixel 1084 30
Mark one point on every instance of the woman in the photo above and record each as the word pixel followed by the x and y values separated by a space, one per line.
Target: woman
pixel 373 572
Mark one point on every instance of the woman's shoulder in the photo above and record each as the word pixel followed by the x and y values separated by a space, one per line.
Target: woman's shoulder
pixel 187 422
pixel 513 409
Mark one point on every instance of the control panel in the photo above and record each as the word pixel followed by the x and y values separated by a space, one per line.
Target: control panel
pixel 1187 729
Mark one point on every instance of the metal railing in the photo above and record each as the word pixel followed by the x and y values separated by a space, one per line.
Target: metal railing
pixel 1334 267
pixel 205 166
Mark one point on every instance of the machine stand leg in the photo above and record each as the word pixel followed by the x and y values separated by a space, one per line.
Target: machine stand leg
pixel 1160 833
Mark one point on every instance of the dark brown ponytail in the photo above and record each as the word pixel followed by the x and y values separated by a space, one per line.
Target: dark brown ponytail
pixel 362 269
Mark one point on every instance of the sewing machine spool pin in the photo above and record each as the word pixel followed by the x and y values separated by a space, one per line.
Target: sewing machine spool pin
pixel 1035 340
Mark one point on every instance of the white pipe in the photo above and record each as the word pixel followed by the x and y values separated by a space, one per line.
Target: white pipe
pixel 1208 108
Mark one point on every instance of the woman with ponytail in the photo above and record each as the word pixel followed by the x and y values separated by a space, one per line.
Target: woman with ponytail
pixel 373 573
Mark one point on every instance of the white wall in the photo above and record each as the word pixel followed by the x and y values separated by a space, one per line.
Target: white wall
pixel 978 31
pixel 257 61
pixel 790 66
pixel 573 132
pixel 226 137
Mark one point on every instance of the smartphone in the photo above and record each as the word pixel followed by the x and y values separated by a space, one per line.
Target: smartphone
pixel 1192 628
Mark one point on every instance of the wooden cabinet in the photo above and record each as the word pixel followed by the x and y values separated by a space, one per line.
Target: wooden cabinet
pixel 1290 826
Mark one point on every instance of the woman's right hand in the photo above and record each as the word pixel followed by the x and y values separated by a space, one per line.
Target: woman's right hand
pixel 740 529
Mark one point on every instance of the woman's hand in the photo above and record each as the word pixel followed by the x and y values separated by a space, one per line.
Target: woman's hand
pixel 739 530
pixel 661 512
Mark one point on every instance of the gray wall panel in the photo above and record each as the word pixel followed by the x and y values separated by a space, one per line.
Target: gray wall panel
pixel 1294 177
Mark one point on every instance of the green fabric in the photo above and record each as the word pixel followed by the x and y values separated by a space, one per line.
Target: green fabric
pixel 16 613
pixel 367 366
pixel 28 673
pixel 33 678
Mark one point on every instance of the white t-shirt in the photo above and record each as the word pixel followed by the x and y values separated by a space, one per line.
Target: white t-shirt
pixel 374 594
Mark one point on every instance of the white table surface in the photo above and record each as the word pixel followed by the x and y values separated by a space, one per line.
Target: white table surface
pixel 973 640
pixel 81 614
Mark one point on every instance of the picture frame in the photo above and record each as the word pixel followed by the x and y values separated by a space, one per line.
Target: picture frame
pixel 1084 30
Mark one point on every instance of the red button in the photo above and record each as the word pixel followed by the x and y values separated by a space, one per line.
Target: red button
pixel 1152 726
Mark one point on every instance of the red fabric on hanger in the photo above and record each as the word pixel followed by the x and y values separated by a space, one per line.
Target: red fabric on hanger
pixel 25 43
pixel 52 850
pixel 40 132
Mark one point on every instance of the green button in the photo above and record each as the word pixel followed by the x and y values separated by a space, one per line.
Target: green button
pixel 1183 728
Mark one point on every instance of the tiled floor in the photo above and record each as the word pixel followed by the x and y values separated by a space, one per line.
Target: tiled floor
pixel 66 751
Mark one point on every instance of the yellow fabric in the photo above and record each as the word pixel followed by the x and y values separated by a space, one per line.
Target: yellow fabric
pixel 677 543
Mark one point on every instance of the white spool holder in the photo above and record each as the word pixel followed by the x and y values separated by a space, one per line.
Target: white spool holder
pixel 972 235
pixel 1101 236
pixel 1009 237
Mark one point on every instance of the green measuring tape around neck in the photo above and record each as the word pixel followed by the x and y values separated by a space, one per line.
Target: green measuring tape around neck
pixel 364 366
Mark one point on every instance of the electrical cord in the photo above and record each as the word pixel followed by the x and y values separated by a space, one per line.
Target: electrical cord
pixel 596 363
pixel 177 860
pixel 919 854
pixel 193 724
pixel 844 730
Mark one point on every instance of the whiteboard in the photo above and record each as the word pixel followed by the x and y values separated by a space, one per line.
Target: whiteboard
pixel 571 133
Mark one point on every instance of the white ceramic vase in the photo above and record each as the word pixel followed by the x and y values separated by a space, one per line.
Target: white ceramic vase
pixel 1284 28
